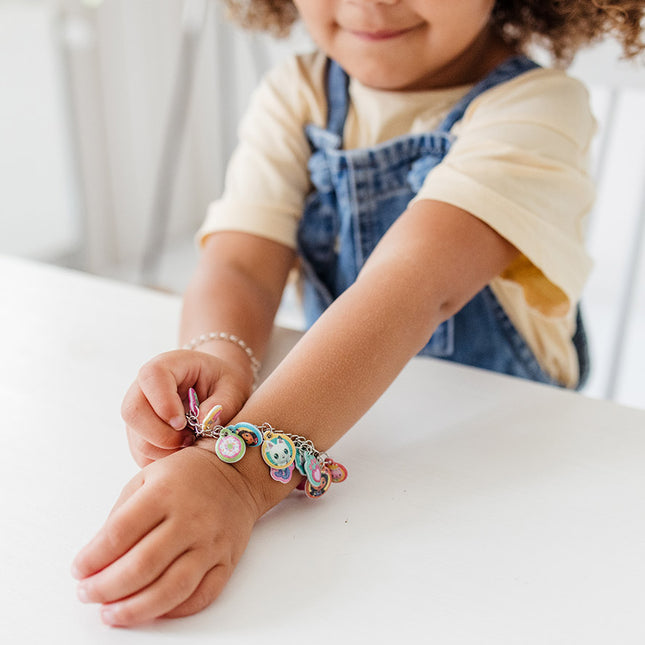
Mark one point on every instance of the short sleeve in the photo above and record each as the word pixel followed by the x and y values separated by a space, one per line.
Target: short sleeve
pixel 267 180
pixel 519 163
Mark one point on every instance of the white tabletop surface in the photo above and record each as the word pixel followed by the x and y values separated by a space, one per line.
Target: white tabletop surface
pixel 479 508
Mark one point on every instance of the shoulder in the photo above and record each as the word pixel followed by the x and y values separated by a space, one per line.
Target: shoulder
pixel 296 85
pixel 545 98
pixel 305 69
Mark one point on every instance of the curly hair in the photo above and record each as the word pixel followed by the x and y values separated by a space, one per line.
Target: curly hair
pixel 562 27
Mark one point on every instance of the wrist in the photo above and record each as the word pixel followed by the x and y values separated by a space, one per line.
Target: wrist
pixel 291 459
pixel 229 344
pixel 237 364
pixel 251 477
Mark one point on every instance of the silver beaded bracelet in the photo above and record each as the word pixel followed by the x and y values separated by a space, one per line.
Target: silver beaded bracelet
pixel 256 366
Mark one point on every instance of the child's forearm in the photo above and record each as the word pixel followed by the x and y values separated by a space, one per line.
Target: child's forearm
pixel 236 289
pixel 345 362
pixel 336 372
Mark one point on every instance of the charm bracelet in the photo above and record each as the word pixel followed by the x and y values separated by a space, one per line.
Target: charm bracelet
pixel 281 451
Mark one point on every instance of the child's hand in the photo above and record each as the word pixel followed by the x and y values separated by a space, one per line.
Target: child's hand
pixel 171 541
pixel 154 406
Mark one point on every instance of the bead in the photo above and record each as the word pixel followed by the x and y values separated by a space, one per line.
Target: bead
pixel 256 366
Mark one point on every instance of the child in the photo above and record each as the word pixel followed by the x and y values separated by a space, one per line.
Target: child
pixel 431 180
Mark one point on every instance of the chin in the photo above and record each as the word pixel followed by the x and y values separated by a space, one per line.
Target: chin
pixel 380 79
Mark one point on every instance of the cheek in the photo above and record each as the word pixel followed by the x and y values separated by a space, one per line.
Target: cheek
pixel 460 18
pixel 318 17
pixel 311 13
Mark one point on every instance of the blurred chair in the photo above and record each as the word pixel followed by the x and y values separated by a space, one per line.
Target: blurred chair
pixel 192 24
pixel 601 67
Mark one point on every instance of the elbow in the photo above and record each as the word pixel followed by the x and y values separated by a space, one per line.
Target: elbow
pixel 434 313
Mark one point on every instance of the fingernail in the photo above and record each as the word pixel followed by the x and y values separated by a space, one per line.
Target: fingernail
pixel 76 573
pixel 108 615
pixel 178 423
pixel 81 593
pixel 188 441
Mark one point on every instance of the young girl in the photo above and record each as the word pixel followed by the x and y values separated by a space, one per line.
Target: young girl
pixel 431 181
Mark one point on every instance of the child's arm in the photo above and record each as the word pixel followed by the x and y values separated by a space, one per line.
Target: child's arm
pixel 236 289
pixel 431 262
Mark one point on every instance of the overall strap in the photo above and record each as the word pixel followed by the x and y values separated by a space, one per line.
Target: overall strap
pixel 509 69
pixel 337 97
pixel 337 85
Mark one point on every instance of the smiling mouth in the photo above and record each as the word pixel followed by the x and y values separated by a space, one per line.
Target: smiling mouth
pixel 385 34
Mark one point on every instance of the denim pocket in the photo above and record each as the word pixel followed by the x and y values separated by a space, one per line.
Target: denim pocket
pixel 317 231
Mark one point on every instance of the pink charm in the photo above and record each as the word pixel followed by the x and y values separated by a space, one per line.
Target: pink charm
pixel 312 470
pixel 338 471
pixel 282 475
pixel 193 402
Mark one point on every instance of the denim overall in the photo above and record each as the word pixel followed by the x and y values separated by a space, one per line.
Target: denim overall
pixel 358 194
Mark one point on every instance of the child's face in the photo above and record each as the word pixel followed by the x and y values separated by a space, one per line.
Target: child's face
pixel 405 44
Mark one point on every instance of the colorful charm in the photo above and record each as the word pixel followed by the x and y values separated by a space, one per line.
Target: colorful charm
pixel 338 471
pixel 230 447
pixel 282 475
pixel 314 492
pixel 210 421
pixel 250 433
pixel 300 461
pixel 313 471
pixel 278 450
pixel 193 402
pixel 282 452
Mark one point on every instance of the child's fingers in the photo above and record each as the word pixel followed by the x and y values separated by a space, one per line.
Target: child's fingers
pixel 133 519
pixel 144 452
pixel 136 569
pixel 159 384
pixel 142 419
pixel 177 583
pixel 208 590
pixel 79 568
pixel 227 397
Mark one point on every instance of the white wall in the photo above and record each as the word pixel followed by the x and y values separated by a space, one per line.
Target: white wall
pixel 38 197
pixel 123 73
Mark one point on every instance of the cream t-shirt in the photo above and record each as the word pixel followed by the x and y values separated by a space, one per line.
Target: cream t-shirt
pixel 518 163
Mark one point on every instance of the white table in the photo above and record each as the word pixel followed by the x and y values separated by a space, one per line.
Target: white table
pixel 512 513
